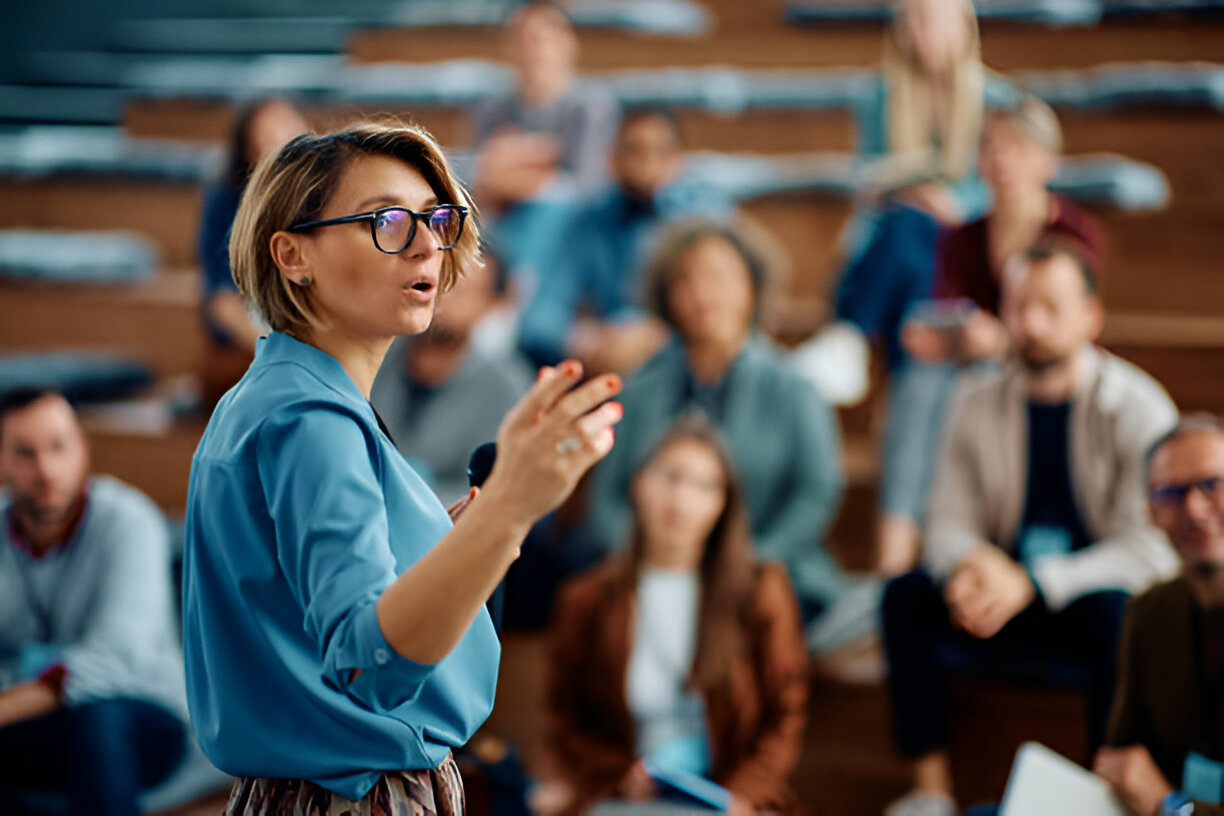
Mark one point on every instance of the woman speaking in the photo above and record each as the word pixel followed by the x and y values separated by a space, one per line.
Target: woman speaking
pixel 336 641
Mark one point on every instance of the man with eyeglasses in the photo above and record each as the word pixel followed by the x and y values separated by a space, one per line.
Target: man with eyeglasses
pixel 1167 732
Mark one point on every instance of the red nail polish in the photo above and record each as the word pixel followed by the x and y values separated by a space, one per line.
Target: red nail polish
pixel 613 381
pixel 570 368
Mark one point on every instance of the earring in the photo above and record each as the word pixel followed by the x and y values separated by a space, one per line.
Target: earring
pixel 304 281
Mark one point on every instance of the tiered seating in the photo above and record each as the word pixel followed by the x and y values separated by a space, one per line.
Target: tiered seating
pixel 1052 12
pixel 778 100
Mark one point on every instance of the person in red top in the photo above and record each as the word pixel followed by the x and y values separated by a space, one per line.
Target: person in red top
pixel 959 328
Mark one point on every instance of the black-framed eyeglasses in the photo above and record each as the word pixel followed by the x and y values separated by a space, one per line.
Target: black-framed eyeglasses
pixel 393 228
pixel 1174 495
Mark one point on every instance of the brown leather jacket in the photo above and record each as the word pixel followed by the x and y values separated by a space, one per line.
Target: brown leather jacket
pixel 755 721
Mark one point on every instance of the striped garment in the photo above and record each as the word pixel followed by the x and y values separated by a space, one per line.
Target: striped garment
pixel 437 792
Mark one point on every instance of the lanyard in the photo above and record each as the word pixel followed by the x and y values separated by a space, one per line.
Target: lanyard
pixel 42 612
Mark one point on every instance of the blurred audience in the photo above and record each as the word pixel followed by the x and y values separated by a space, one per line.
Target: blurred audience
pixel 959 329
pixel 440 380
pixel 706 282
pixel 545 145
pixel 1037 527
pixel 589 304
pixel 679 652
pixel 1166 737
pixel 918 133
pixel 92 704
pixel 260 129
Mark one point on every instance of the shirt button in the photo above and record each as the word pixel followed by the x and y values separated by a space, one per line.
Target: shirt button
pixel 381 656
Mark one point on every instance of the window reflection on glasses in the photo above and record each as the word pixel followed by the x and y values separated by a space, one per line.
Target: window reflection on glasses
pixel 1173 496
pixel 394 228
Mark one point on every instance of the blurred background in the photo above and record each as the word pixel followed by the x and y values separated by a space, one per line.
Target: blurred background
pixel 114 120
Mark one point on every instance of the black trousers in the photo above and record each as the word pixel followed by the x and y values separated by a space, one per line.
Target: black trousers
pixel 1075 647
pixel 98 756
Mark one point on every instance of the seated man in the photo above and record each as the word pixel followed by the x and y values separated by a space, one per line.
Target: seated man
pixel 545 144
pixel 92 704
pixel 1036 527
pixel 589 304
pixel 960 328
pixel 1167 732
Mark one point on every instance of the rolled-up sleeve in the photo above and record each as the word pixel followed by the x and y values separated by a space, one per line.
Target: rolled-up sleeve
pixel 319 472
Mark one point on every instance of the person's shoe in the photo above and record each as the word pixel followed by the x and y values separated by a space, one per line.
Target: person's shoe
pixel 922 803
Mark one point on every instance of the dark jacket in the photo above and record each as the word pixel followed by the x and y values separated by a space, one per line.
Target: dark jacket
pixel 1159 703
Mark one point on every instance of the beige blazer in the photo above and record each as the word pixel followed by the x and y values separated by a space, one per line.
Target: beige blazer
pixel 979 489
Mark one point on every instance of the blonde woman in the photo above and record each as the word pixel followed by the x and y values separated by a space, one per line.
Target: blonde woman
pixel 337 646
pixel 918 133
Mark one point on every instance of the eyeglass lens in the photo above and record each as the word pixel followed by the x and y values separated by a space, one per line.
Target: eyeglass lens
pixel 394 229
pixel 1175 495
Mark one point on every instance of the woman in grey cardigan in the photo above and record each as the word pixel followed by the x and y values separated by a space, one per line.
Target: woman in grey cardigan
pixel 706 283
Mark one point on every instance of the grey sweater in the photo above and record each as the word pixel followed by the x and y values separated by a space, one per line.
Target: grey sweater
pixel 102 605
pixel 981 477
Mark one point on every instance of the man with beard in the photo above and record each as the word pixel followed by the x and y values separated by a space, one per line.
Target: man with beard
pixel 92 703
pixel 1167 732
pixel 1037 527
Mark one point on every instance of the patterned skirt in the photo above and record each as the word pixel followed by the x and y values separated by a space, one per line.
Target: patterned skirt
pixel 397 793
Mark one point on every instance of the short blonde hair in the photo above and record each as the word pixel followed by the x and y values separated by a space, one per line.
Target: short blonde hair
pixel 296 184
pixel 1035 120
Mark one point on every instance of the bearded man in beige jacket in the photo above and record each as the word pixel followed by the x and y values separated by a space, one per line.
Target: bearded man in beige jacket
pixel 1037 528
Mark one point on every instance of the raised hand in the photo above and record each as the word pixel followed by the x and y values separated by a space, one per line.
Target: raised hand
pixel 551 438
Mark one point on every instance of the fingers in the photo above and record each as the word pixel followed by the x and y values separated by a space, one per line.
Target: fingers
pixel 456 509
pixel 586 397
pixel 987 623
pixel 1108 765
pixel 550 386
pixel 959 587
pixel 592 425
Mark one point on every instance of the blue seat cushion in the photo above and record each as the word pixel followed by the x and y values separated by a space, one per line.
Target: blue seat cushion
pixel 81 376
pixel 76 257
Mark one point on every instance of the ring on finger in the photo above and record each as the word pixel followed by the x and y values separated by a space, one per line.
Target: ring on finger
pixel 567 446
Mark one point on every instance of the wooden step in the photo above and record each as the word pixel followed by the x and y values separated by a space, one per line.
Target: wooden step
pixel 1168 262
pixel 156 321
pixel 1191 374
pixel 762 131
pixel 157 463
pixel 166 212
pixel 762 41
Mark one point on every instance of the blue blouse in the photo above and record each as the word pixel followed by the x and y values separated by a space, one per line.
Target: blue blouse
pixel 300 512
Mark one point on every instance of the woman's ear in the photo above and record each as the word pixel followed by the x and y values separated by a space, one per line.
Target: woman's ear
pixel 290 254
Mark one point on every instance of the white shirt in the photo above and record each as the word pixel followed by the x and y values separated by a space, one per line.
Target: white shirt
pixel 670 719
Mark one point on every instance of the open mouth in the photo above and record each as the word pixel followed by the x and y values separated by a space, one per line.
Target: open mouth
pixel 422 286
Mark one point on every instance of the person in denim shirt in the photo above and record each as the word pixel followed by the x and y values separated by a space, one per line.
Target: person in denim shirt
pixel 336 639
pixel 590 302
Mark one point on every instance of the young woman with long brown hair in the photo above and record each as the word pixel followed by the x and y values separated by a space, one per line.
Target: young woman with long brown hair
pixel 680 651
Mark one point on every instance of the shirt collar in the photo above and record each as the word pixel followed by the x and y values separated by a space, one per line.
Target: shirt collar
pixel 279 347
